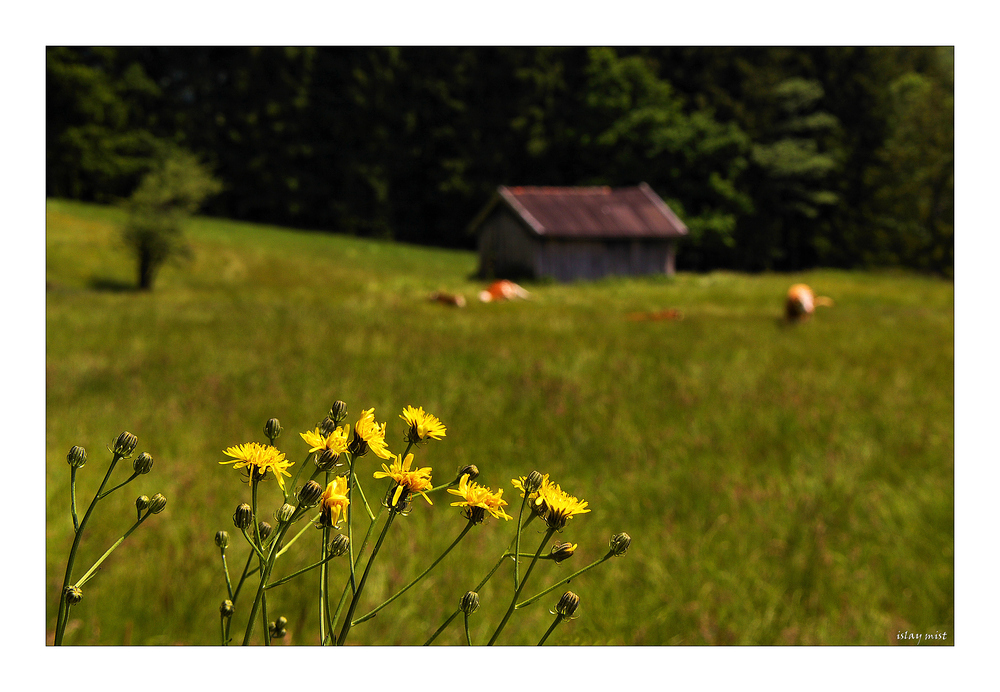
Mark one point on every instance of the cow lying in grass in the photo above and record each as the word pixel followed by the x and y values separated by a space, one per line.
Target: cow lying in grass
pixel 801 303
pixel 502 290
pixel 455 299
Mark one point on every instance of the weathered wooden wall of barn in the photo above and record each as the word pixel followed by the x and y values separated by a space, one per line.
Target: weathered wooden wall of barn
pixel 506 249
pixel 568 260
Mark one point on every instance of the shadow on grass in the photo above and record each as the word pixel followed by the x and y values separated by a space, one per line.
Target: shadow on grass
pixel 112 285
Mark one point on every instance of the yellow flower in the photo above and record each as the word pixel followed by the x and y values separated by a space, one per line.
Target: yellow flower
pixel 415 481
pixel 421 425
pixel 258 459
pixel 559 506
pixel 369 435
pixel 333 502
pixel 475 495
pixel 336 441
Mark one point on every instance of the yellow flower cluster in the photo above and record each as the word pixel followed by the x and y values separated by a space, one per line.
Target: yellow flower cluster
pixel 258 459
pixel 333 502
pixel 336 441
pixel 415 481
pixel 421 425
pixel 475 495
pixel 372 434
pixel 552 503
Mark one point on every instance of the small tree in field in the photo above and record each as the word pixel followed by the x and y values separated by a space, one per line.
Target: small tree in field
pixel 166 197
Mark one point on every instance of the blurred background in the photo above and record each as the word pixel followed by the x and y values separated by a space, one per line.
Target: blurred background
pixel 782 484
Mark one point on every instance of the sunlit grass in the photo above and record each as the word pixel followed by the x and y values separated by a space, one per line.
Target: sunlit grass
pixel 781 484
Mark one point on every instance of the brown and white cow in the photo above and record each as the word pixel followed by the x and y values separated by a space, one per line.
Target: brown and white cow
pixel 801 303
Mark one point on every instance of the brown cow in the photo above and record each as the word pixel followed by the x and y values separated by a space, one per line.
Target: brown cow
pixel 502 290
pixel 801 303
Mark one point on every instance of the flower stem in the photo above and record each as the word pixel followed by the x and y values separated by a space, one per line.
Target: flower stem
pixel 559 618
pixel 90 573
pixel 517 538
pixel 225 570
pixel 264 576
pixel 468 637
pixel 562 581
pixel 527 573
pixel 406 588
pixel 72 496
pixel 364 577
pixel 246 573
pixel 125 482
pixel 443 627
pixel 63 605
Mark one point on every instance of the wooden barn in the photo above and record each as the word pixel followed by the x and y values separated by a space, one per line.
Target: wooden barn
pixel 570 233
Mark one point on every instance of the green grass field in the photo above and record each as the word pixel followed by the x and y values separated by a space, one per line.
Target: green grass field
pixel 782 485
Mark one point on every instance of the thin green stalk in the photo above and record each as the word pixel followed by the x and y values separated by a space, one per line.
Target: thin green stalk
pixel 517 538
pixel 225 570
pixel 309 524
pixel 264 576
pixel 423 574
pixel 552 627
pixel 527 573
pixel 135 474
pixel 298 473
pixel 223 625
pixel 63 605
pixel 324 588
pixel 364 577
pixel 447 622
pixel 72 495
pixel 443 627
pixel 90 573
pixel 246 573
pixel 326 559
pixel 258 551
pixel 468 637
pixel 263 619
pixel 350 522
pixel 563 581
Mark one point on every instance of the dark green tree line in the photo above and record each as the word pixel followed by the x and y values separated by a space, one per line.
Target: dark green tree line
pixel 776 158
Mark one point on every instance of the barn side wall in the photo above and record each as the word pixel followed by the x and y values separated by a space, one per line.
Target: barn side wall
pixel 569 260
pixel 506 249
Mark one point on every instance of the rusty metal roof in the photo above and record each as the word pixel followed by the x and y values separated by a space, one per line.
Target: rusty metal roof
pixel 593 212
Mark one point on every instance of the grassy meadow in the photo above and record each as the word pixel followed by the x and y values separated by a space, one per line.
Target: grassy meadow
pixel 781 484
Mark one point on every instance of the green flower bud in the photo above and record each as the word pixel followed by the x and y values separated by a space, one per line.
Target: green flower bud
pixel 327 460
pixel 338 412
pixel 277 629
pixel 567 605
pixel 125 445
pixel 227 608
pixel 471 470
pixel 265 530
pixel 77 457
pixel 143 463
pixel 620 543
pixel 357 447
pixel 469 603
pixel 243 518
pixel 562 551
pixel 222 539
pixel 284 513
pixel 339 545
pixel 272 428
pixel 310 494
pixel 476 515
pixel 74 594
pixel 532 482
pixel 327 426
pixel 157 503
pixel 141 503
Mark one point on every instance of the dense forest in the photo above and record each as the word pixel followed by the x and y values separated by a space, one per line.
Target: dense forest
pixel 777 158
